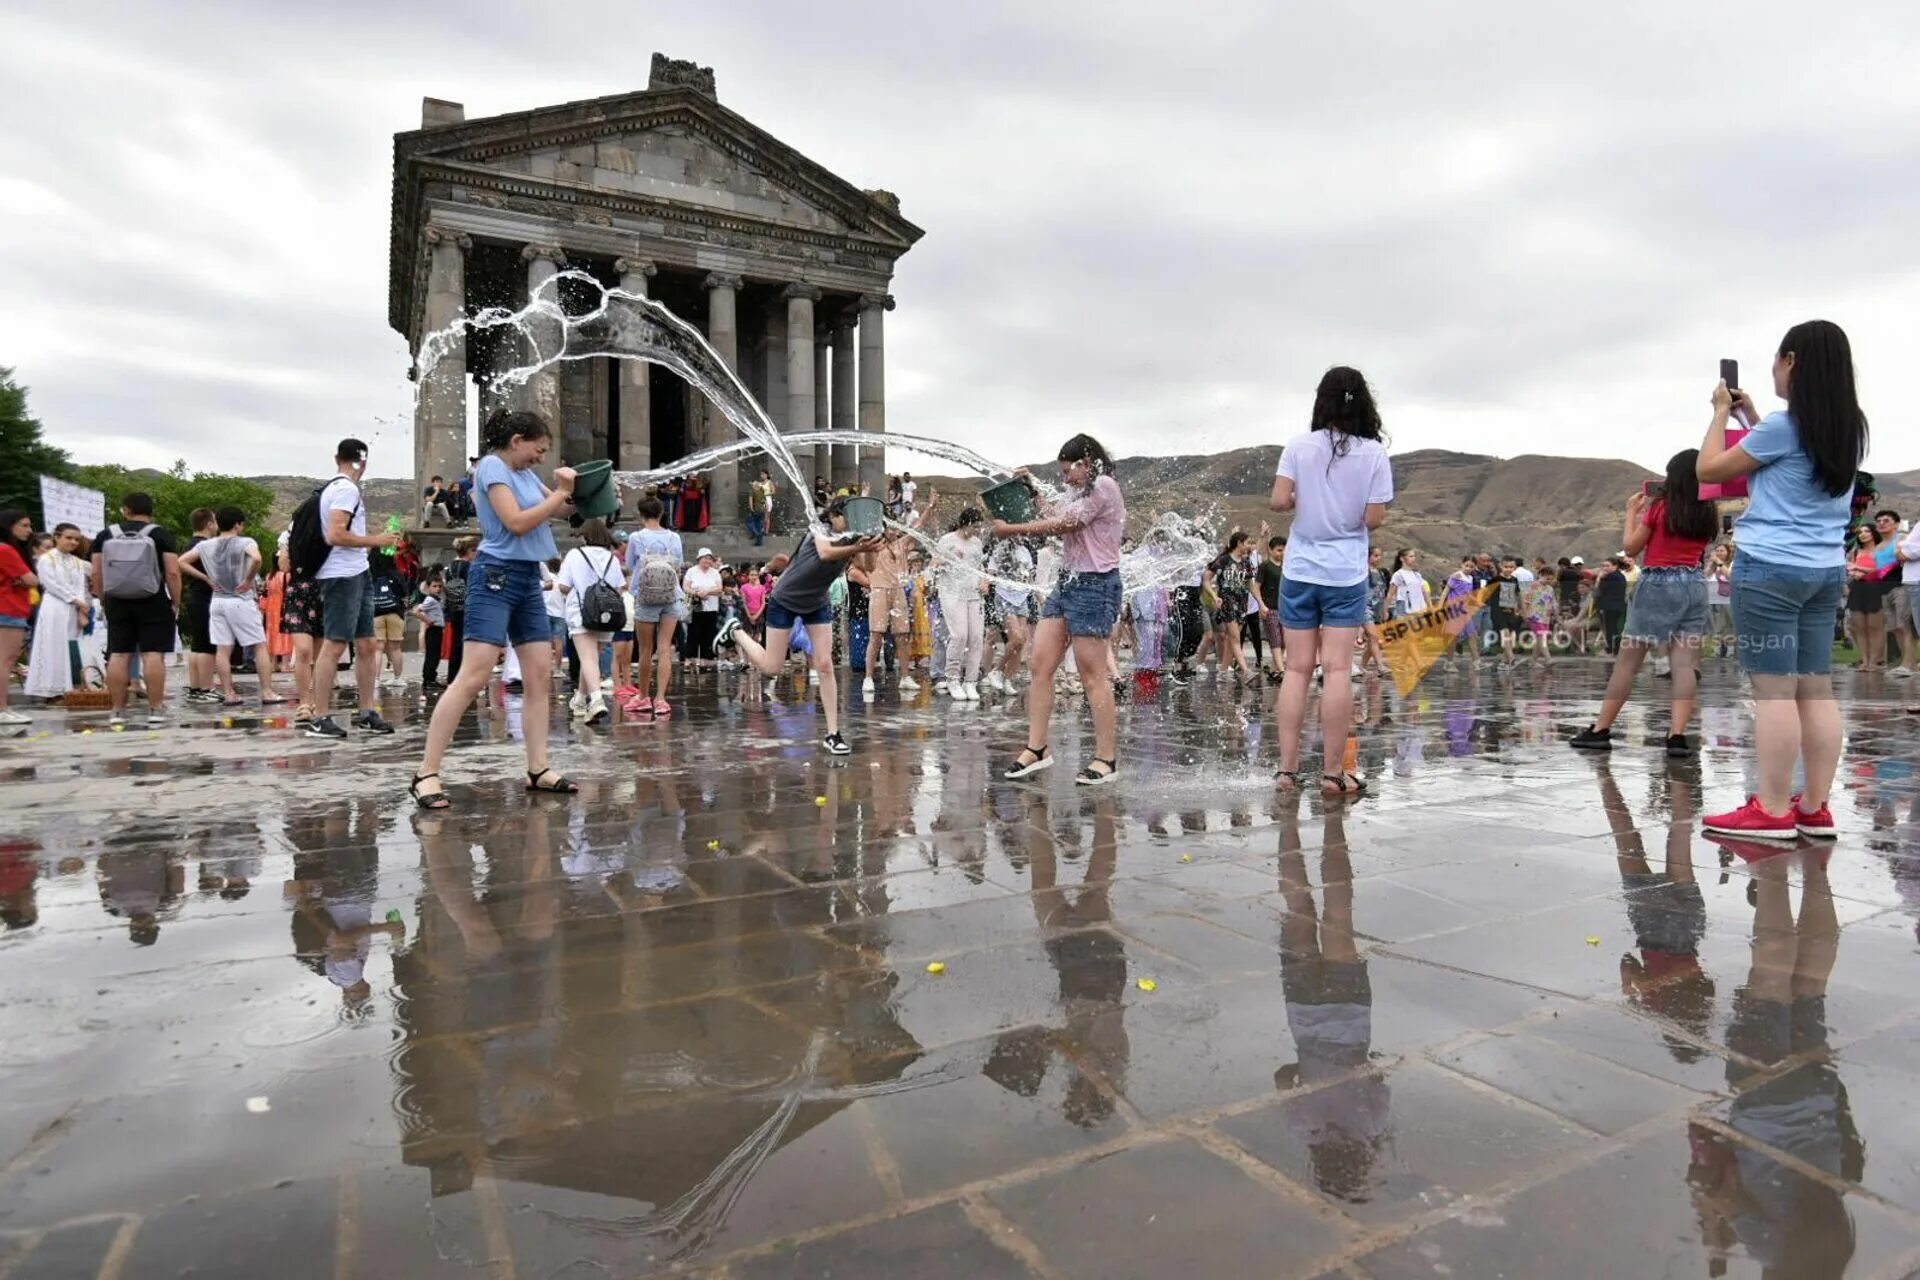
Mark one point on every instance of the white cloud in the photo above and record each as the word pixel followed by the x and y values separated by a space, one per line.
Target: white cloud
pixel 1536 228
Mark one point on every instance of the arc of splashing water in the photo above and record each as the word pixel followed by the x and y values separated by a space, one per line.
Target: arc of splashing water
pixel 627 326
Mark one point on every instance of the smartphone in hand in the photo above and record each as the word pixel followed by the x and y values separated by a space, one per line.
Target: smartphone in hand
pixel 1730 374
pixel 1653 490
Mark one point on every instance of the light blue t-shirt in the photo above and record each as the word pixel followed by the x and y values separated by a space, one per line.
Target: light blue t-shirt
pixel 495 541
pixel 1790 519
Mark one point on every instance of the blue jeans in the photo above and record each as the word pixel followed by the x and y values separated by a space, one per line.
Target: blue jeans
pixel 1308 606
pixel 504 603
pixel 1783 616
pixel 757 527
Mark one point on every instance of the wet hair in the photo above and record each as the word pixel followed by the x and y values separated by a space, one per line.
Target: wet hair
pixel 1688 515
pixel 594 533
pixel 1237 539
pixel 138 504
pixel 350 450
pixel 1084 448
pixel 1344 405
pixel 229 518
pixel 199 518
pixel 505 424
pixel 1823 402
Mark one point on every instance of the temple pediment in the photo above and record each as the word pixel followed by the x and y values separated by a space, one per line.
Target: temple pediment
pixel 675 147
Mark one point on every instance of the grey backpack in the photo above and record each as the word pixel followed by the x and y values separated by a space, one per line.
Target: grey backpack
pixel 130 564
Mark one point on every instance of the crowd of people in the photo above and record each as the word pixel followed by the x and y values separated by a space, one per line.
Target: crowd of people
pixel 966 603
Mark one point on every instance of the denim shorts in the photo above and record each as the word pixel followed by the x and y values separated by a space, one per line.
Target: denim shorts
pixel 9 620
pixel 781 618
pixel 556 627
pixel 1783 616
pixel 654 614
pixel 1308 606
pixel 1088 602
pixel 505 605
pixel 346 608
pixel 1669 605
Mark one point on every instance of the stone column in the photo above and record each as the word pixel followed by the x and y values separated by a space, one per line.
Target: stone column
pixel 873 390
pixel 723 332
pixel 636 390
pixel 800 398
pixel 440 407
pixel 846 468
pixel 541 393
pixel 822 382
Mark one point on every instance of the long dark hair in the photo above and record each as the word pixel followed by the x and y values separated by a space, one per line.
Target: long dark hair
pixel 1688 515
pixel 1833 430
pixel 1400 558
pixel 505 424
pixel 1344 405
pixel 9 518
pixel 1084 448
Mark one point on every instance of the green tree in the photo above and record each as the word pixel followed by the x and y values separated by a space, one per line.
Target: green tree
pixel 24 455
pixel 176 492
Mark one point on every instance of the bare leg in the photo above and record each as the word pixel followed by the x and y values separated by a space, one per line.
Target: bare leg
pixel 366 667
pixel 1819 732
pixel 1302 653
pixel 1336 702
pixel 663 657
pixel 153 668
pixel 263 663
pixel 476 668
pixel 821 637
pixel 536 677
pixel 645 634
pixel 622 663
pixel 1633 653
pixel 588 646
pixel 1776 742
pixel 223 672
pixel 1090 652
pixel 118 666
pixel 12 639
pixel 302 659
pixel 1049 644
pixel 1684 655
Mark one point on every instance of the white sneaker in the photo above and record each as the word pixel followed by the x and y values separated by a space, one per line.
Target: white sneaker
pixel 813 677
pixel 577 703
pixel 970 691
pixel 596 709
pixel 866 687
pixel 996 682
pixel 13 717
pixel 909 685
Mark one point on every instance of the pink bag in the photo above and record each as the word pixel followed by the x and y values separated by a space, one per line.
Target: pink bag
pixel 1736 487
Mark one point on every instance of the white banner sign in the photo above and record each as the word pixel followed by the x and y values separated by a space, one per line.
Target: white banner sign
pixel 65 503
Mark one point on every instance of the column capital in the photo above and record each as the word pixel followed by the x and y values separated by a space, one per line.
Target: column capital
pixel 635 267
pixel 438 235
pixel 844 322
pixel 881 301
pixel 721 280
pixel 551 252
pixel 801 289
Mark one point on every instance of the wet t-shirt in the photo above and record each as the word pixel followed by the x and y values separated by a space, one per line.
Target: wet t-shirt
pixel 808 579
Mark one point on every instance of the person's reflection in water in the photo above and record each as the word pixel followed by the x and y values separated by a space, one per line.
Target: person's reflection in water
pixel 1796 1227
pixel 336 877
pixel 1665 908
pixel 1329 997
pixel 19 873
pixel 1089 962
pixel 140 885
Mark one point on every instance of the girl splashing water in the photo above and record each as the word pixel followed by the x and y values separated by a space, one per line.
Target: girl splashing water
pixel 1083 607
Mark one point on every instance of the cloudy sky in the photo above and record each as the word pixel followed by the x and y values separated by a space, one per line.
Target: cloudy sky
pixel 1536 227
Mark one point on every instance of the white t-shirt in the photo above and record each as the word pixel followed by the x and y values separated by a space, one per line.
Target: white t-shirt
pixel 698 579
pixel 907 489
pixel 1408 590
pixel 957 561
pixel 1328 543
pixel 1910 546
pixel 550 596
pixel 1523 575
pixel 583 567
pixel 343 562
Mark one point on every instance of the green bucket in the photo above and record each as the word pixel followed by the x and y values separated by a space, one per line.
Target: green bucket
pixel 864 515
pixel 1011 501
pixel 595 496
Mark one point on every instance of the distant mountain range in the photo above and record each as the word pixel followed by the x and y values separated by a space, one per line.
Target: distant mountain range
pixel 1447 504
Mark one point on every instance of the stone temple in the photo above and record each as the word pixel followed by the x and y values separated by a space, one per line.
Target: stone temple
pixel 783 265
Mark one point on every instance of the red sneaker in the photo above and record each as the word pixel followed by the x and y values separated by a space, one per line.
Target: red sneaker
pixel 1749 850
pixel 1815 822
pixel 1753 822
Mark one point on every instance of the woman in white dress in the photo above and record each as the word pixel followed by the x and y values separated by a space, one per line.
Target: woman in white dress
pixel 65 606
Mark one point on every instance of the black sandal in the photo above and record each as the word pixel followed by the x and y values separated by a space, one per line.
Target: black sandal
pixel 562 785
pixel 431 800
pixel 1287 779
pixel 1041 760
pixel 1340 784
pixel 1091 777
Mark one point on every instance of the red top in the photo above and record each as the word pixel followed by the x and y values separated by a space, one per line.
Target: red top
pixel 1668 551
pixel 14 600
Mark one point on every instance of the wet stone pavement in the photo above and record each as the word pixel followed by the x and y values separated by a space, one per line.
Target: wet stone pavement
pixel 1511 1014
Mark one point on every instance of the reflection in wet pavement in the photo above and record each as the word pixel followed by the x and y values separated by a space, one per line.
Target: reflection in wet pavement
pixel 1509 1015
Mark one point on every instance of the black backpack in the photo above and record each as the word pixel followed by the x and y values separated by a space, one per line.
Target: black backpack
pixel 453 588
pixel 601 608
pixel 307 545
pixel 386 597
